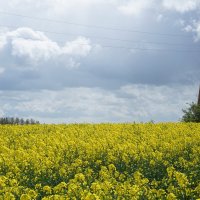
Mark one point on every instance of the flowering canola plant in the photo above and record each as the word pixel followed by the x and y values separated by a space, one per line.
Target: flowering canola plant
pixel 100 161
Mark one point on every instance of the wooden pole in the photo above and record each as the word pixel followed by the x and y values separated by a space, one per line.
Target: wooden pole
pixel 198 103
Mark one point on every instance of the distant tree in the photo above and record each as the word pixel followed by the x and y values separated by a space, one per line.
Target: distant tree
pixel 192 113
pixel 12 120
pixel 22 121
pixel 32 121
pixel 2 120
pixel 6 120
pixel 17 120
pixel 27 121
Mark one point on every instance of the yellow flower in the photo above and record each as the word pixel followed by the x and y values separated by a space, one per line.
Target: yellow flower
pixel 171 196
pixel 25 197
pixel 47 189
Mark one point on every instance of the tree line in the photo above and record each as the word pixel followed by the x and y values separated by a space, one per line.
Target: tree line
pixel 16 120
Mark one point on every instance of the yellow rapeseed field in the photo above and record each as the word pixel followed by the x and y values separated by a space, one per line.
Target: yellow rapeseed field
pixel 104 161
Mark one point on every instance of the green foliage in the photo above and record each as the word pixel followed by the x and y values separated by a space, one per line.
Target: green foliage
pixel 192 113
pixel 12 120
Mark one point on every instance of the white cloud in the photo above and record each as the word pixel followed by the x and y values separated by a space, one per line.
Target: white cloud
pixel 188 28
pixel 2 42
pixel 2 70
pixel 126 104
pixel 61 8
pixel 181 6
pixel 27 33
pixel 81 46
pixel 34 50
pixel 56 7
pixel 34 46
pixel 135 7
pixel 197 31
pixel 194 27
pixel 159 18
pixel 72 64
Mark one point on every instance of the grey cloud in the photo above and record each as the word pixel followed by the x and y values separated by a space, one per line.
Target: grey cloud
pixel 126 104
pixel 86 83
pixel 111 71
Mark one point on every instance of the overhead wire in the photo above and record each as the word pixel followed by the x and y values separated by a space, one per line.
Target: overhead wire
pixel 92 26
pixel 133 48
pixel 109 38
pixel 99 37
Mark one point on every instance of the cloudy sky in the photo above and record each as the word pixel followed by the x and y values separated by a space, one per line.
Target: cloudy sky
pixel 99 60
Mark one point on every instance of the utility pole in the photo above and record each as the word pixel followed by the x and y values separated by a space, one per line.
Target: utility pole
pixel 198 103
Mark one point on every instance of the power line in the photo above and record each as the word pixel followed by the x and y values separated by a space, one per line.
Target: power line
pixel 147 49
pixel 104 38
pixel 141 49
pixel 132 48
pixel 92 26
